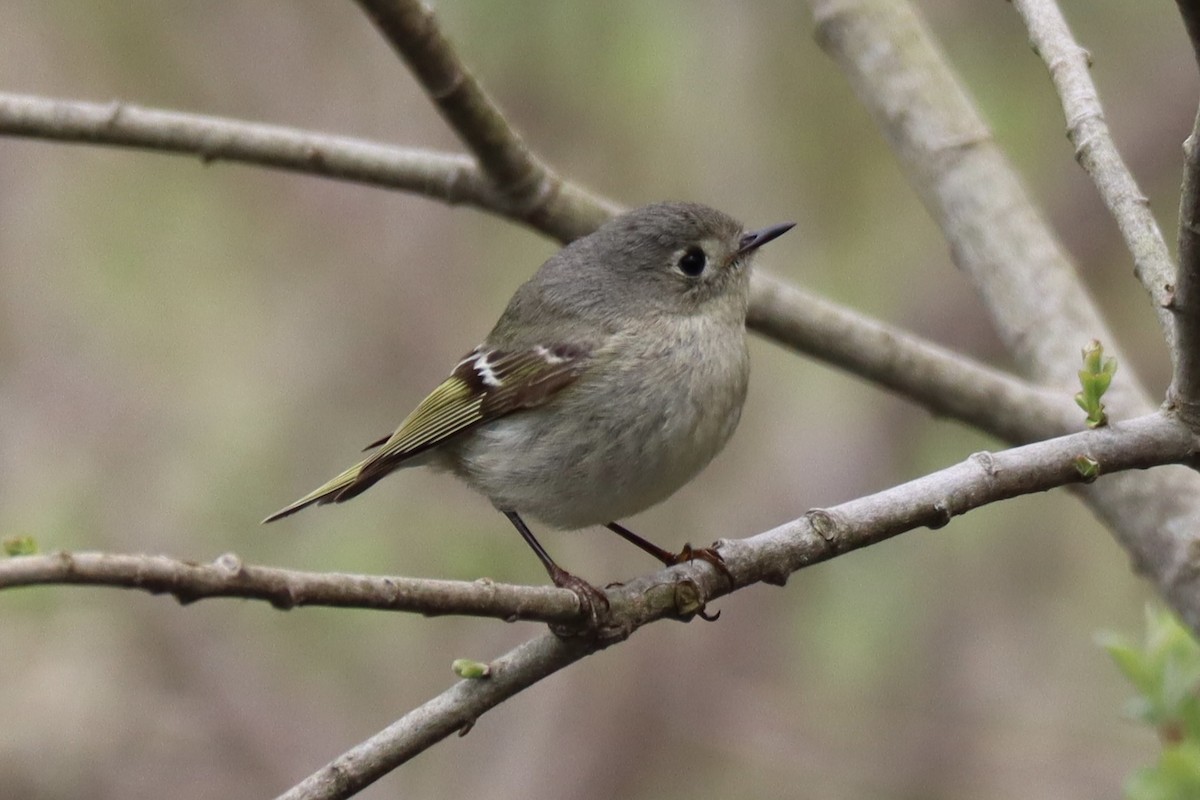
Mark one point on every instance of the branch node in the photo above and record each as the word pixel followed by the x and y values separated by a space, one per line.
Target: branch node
pixel 986 461
pixel 113 114
pixel 941 515
pixel 689 600
pixel 230 563
pixel 824 524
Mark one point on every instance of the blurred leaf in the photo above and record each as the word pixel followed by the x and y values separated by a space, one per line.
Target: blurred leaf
pixel 1165 671
pixel 20 546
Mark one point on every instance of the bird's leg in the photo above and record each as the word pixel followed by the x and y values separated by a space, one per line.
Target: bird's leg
pixel 591 599
pixel 688 553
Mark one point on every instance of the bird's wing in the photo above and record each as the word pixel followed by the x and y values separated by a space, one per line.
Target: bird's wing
pixel 486 384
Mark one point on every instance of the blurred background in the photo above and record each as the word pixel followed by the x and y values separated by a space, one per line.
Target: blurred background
pixel 184 349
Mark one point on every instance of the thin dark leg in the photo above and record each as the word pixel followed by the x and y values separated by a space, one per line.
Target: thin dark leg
pixel 532 541
pixel 665 556
pixel 688 553
pixel 589 596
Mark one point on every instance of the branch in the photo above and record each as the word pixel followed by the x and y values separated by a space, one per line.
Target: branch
pixel 945 382
pixel 1096 152
pixel 228 577
pixel 770 557
pixel 997 236
pixel 1184 393
pixel 450 178
pixel 1190 11
pixel 941 380
pixel 1002 243
pixel 516 173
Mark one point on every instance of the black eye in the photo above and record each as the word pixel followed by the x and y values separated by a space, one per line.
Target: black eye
pixel 692 262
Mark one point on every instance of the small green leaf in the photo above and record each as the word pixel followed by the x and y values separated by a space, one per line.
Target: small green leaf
pixel 471 670
pixel 20 546
pixel 1095 378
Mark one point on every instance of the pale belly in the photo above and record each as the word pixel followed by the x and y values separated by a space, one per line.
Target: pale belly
pixel 605 449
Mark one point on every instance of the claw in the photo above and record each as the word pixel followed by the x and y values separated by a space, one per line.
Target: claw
pixel 592 602
pixel 709 554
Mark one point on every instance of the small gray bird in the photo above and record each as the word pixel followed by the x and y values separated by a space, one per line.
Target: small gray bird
pixel 617 372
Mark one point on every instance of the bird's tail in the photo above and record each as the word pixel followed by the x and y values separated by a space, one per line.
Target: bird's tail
pixel 349 484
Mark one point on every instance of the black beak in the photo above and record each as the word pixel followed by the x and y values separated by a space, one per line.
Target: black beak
pixel 755 239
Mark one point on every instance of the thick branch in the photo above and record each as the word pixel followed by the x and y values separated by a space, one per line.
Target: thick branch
pixel 1097 153
pixel 769 557
pixel 229 577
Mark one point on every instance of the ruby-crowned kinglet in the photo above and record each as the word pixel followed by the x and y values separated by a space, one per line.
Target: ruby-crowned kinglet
pixel 614 376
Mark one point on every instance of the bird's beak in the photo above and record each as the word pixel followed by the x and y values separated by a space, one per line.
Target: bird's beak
pixel 755 239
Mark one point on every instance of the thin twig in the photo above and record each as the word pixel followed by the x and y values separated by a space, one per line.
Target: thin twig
pixel 228 577
pixel 1096 152
pixel 822 534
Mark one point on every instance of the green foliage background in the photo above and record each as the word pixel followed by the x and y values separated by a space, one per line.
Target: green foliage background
pixel 183 349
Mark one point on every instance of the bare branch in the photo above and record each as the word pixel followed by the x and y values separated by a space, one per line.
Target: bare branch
pixel 770 557
pixel 945 382
pixel 1184 393
pixel 530 186
pixel 447 177
pixel 228 577
pixel 1190 11
pixel 941 380
pixel 451 178
pixel 453 711
pixel 1001 241
pixel 1096 152
pixel 997 236
pixel 945 157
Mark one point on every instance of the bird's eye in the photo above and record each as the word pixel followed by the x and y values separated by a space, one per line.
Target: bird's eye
pixel 692 262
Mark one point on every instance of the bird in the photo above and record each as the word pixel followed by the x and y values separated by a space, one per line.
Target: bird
pixel 613 377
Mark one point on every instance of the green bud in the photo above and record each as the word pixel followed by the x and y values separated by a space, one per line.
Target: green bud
pixel 1088 467
pixel 1095 378
pixel 19 546
pixel 471 670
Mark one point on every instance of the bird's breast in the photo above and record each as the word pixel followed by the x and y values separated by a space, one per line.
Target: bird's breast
pixel 643 421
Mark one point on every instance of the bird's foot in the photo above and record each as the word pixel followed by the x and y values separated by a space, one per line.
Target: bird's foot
pixel 709 554
pixel 593 603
